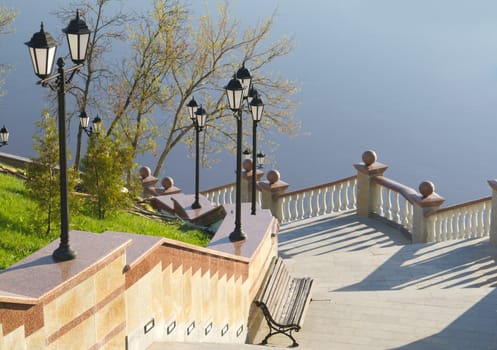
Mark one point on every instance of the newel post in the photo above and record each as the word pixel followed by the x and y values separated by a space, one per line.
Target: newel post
pixel 271 191
pixel 168 186
pixel 368 193
pixel 423 204
pixel 493 216
pixel 148 182
pixel 247 179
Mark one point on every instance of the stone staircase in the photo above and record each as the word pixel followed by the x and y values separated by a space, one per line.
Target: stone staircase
pixel 375 290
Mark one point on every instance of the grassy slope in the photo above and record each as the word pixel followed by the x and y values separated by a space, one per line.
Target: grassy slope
pixel 18 238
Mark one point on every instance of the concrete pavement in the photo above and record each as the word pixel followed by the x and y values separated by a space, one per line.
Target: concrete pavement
pixel 375 290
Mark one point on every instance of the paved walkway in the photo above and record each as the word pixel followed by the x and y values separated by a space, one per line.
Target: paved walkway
pixel 374 290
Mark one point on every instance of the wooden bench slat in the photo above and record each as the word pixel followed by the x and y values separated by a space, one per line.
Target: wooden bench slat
pixel 277 283
pixel 264 292
pixel 283 299
pixel 296 301
pixel 280 295
pixel 299 301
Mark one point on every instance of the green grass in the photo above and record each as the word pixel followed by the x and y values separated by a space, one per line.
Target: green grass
pixel 19 237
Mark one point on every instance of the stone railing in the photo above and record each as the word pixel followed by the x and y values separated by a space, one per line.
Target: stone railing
pixel 419 213
pixel 468 220
pixel 225 194
pixel 392 202
pixel 14 161
pixel 221 195
pixel 126 291
pixel 318 200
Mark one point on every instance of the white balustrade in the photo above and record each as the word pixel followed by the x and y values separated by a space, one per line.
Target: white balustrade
pixel 392 203
pixel 463 221
pixel 469 220
pixel 226 195
pixel 222 195
pixel 318 200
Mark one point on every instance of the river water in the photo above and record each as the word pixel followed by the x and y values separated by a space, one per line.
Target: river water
pixel 414 80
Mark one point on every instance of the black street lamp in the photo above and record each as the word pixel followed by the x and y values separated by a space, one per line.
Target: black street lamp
pixel 256 108
pixel 84 123
pixel 4 136
pixel 246 153
pixel 236 90
pixel 198 117
pixel 42 48
pixel 260 160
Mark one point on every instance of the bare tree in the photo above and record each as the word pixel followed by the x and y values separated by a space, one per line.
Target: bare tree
pixel 216 51
pixel 7 17
pixel 174 56
pixel 106 19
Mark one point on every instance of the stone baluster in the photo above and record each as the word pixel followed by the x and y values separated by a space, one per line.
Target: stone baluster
pixel 424 203
pixel 368 193
pixel 271 191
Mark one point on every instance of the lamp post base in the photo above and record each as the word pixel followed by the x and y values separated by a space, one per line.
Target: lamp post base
pixel 63 253
pixel 196 205
pixel 237 235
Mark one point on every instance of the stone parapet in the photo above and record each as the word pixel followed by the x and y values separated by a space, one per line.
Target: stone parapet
pixel 127 291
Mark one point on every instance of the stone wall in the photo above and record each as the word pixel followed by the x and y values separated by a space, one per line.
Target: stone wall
pixel 130 290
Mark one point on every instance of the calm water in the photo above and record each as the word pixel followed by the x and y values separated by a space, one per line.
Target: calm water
pixel 414 80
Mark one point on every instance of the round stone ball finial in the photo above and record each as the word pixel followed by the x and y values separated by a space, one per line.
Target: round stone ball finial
pixel 426 188
pixel 247 165
pixel 369 157
pixel 145 172
pixel 167 182
pixel 273 176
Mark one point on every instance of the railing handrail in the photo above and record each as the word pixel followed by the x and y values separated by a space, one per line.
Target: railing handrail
pixel 459 206
pixel 316 187
pixel 406 191
pixel 217 188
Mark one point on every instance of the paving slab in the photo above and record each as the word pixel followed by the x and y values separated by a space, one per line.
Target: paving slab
pixel 375 290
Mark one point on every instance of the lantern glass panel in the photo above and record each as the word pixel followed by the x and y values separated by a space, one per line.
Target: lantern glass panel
pixel 97 124
pixel 192 108
pixel 42 59
pixel 201 117
pixel 235 98
pixel 4 135
pixel 78 44
pixel 84 120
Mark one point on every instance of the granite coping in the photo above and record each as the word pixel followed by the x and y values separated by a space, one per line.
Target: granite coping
pixel 183 205
pixel 37 275
pixel 140 245
pixel 164 202
pixel 256 227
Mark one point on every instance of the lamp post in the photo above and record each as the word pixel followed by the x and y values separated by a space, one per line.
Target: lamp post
pixel 256 108
pixel 42 48
pixel 84 122
pixel 198 117
pixel 260 160
pixel 4 136
pixel 236 90
pixel 246 153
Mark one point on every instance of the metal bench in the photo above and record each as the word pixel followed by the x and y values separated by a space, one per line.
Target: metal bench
pixel 283 300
